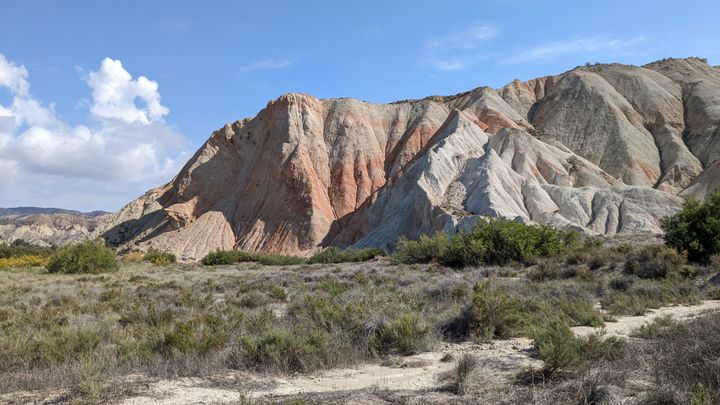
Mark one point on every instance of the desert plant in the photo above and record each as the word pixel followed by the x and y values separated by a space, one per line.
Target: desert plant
pixel 404 335
pixel 225 257
pixel 492 313
pixel 654 261
pixel 337 255
pixel 90 257
pixel 424 250
pixel 695 229
pixel 462 373
pixel 557 346
pixel 158 257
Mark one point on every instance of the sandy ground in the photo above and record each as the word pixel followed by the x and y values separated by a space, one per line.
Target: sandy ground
pixel 416 373
pixel 501 361
pixel 624 326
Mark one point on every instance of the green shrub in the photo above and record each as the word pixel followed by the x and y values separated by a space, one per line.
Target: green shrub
pixel 695 229
pixel 288 351
pixel 274 259
pixel 159 258
pixel 91 257
pixel 337 255
pixel 654 261
pixel 235 256
pixel 492 314
pixel 21 248
pixel 404 335
pixel 491 241
pixel 557 346
pixel 657 327
pixel 225 257
pixel 424 250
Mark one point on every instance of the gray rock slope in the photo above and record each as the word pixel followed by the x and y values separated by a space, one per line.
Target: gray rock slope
pixel 603 149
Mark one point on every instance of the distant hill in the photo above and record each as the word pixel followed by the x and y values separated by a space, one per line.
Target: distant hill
pixel 47 226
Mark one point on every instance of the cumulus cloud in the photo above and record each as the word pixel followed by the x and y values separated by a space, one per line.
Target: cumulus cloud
pixel 114 93
pixel 458 51
pixel 126 148
pixel 590 45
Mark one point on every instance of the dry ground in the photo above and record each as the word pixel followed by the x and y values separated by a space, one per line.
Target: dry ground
pixel 369 332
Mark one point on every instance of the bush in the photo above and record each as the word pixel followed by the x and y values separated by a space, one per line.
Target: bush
pixel 159 258
pixel 337 255
pixel 695 229
pixel 405 335
pixel 23 261
pixel 282 350
pixel 21 248
pixel 90 257
pixel 423 250
pixel 654 261
pixel 235 256
pixel 492 314
pixel 557 346
pixel 492 241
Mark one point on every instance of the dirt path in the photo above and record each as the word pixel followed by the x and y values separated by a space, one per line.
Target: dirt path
pixel 417 373
pixel 501 360
pixel 625 325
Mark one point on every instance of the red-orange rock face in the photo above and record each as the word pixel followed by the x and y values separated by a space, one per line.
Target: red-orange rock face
pixel 305 173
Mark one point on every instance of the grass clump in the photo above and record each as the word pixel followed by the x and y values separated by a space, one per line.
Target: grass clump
pixel 288 351
pixel 90 257
pixel 463 373
pixel 559 348
pixel 695 229
pixel 404 335
pixel 654 261
pixel 657 327
pixel 159 258
pixel 491 241
pixel 491 314
pixel 337 255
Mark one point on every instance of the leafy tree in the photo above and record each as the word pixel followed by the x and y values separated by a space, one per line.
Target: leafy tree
pixel 695 229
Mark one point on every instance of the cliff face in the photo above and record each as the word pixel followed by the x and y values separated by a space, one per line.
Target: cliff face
pixel 603 149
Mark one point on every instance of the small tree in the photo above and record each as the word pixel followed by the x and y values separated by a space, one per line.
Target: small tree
pixel 87 257
pixel 695 229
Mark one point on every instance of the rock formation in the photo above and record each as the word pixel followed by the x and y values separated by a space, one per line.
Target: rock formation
pixel 603 149
pixel 47 226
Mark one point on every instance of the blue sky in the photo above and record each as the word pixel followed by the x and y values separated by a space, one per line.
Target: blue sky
pixel 210 62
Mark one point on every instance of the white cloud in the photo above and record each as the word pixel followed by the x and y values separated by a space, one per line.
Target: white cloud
pixel 552 50
pixel 458 51
pixel 114 93
pixel 13 76
pixel 127 148
pixel 268 64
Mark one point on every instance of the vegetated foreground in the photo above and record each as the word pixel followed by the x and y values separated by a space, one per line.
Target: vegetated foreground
pixel 424 332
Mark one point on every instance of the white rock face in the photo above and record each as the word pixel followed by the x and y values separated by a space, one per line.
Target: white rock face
pixel 603 149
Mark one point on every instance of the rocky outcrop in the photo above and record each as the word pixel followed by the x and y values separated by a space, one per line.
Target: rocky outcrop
pixel 47 226
pixel 603 149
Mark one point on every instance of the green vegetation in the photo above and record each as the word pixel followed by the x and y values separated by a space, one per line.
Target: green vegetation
pixel 560 349
pixel 235 256
pixel 159 258
pixel 327 256
pixel 491 241
pixel 695 229
pixel 337 255
pixel 90 257
pixel 654 261
pixel 87 333
pixel 20 254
